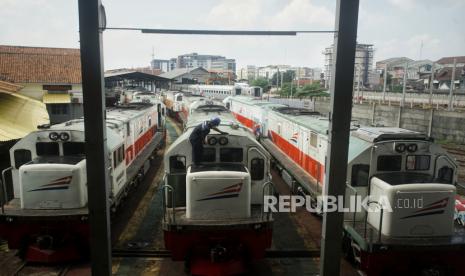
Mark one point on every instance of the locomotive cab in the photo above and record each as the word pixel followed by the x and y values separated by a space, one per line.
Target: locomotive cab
pixel 410 181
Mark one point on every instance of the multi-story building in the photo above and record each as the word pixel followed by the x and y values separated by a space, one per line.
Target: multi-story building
pixel 217 64
pixel 162 65
pixel 363 64
pixel 268 71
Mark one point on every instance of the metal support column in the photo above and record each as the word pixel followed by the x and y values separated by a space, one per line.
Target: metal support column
pixel 452 86
pixel 431 86
pixel 404 85
pixel 91 19
pixel 385 82
pixel 339 129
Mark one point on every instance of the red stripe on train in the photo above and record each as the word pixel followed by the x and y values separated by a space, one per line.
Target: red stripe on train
pixel 133 150
pixel 306 162
pixel 244 120
pixel 310 165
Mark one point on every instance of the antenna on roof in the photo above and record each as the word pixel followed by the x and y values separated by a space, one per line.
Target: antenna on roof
pixel 153 58
pixel 421 49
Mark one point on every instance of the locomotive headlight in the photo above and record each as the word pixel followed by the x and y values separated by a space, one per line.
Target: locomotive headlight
pixel 53 136
pixel 64 136
pixel 212 141
pixel 223 141
pixel 412 148
pixel 400 148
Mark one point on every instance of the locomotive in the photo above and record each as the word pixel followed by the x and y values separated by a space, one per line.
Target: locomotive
pixel 213 215
pixel 385 163
pixel 47 217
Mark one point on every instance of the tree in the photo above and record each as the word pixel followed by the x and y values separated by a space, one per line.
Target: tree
pixel 288 76
pixel 311 90
pixel 263 83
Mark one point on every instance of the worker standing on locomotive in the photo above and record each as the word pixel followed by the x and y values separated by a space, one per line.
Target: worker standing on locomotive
pixel 198 135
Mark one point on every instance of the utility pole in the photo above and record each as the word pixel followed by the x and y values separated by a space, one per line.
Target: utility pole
pixel 452 86
pixel 358 82
pixel 385 82
pixel 291 85
pixel 91 24
pixel 431 85
pixel 277 81
pixel 342 83
pixel 404 84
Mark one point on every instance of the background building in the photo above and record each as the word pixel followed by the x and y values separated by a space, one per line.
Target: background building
pixel 188 75
pixel 363 64
pixel 49 75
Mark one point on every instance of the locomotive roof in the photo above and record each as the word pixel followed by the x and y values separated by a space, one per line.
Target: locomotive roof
pixel 123 113
pixel 255 101
pixel 376 134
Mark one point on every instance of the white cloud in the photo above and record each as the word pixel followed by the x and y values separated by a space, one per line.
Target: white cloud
pixel 235 14
pixel 303 14
pixel 404 5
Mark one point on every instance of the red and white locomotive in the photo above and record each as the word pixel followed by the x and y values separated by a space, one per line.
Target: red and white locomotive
pixel 46 219
pixel 214 216
pixel 384 163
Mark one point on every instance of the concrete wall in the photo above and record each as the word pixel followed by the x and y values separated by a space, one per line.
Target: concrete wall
pixel 35 91
pixel 440 124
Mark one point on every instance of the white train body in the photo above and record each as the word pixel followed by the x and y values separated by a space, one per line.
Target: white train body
pixel 49 166
pixel 156 100
pixel 221 92
pixel 394 163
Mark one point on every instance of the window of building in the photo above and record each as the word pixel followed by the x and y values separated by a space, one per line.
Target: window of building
pixel 313 139
pixel 47 148
pixel 22 156
pixel 231 155
pixel 257 169
pixel 208 155
pixel 389 163
pixel 360 175
pixel 74 148
pixel 418 162
pixel 59 109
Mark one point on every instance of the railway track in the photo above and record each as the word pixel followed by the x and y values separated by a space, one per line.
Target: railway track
pixel 26 268
pixel 271 254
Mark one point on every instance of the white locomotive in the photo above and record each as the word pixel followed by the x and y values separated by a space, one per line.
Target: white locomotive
pixel 214 210
pixel 403 166
pixel 47 217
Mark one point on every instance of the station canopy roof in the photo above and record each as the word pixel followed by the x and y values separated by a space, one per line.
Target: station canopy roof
pixel 133 75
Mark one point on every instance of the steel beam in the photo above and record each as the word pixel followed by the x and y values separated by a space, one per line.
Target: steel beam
pixel 90 18
pixel 339 131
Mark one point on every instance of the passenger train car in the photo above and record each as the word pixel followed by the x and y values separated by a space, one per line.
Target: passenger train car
pixel 47 217
pixel 403 168
pixel 222 91
pixel 178 104
pixel 213 211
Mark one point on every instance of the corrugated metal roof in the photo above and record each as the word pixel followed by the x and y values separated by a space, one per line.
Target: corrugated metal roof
pixel 180 71
pixel 19 115
pixel 56 98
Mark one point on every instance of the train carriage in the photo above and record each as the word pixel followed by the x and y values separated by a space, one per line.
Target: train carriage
pixel 391 164
pixel 213 210
pixel 47 216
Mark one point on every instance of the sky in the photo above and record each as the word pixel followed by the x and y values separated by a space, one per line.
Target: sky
pixel 418 29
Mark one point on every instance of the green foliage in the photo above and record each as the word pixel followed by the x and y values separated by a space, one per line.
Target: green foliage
pixel 263 83
pixel 287 76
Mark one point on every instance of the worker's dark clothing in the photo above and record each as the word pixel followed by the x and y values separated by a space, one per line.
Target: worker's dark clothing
pixel 196 139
